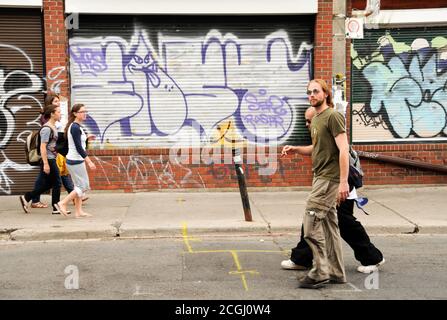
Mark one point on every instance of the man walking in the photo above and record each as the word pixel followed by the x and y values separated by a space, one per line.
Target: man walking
pixel 351 231
pixel 330 166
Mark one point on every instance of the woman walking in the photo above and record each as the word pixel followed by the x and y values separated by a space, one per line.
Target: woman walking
pixel 52 98
pixel 76 159
pixel 49 172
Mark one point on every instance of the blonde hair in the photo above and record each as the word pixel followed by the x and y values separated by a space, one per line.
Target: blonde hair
pixel 326 90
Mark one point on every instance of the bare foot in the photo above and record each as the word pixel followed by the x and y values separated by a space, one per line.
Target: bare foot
pixel 83 215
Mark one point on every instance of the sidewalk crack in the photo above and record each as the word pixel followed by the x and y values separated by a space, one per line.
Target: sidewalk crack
pixel 269 227
pixel 416 227
pixel 118 223
pixel 8 232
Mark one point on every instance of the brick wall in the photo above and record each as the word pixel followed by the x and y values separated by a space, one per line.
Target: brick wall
pixel 150 169
pixel 382 173
pixel 323 42
pixel 348 71
pixel 56 46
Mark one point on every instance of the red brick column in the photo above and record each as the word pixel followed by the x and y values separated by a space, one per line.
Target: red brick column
pixel 348 73
pixel 323 42
pixel 56 46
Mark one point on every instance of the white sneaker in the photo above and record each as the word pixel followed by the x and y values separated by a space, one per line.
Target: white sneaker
pixel 290 265
pixel 371 268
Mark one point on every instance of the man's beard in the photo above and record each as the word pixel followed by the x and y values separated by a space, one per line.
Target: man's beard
pixel 318 103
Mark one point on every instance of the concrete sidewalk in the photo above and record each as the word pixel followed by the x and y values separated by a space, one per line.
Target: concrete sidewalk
pixel 392 210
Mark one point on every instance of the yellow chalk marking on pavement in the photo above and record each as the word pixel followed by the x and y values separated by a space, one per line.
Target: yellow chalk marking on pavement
pixel 254 272
pixel 187 238
pixel 240 271
pixel 234 253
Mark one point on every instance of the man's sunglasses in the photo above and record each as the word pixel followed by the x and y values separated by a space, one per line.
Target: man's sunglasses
pixel 314 92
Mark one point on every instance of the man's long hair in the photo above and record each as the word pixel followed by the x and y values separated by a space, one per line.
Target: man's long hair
pixel 326 90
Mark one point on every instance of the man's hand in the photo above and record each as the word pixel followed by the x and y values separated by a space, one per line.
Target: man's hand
pixel 286 149
pixel 46 168
pixel 343 192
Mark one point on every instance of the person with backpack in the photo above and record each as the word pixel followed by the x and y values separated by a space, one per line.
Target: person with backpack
pixel 351 230
pixel 49 171
pixel 77 157
pixel 62 149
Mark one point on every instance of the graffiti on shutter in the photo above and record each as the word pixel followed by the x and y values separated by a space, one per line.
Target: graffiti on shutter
pixel 18 91
pixel 405 93
pixel 194 91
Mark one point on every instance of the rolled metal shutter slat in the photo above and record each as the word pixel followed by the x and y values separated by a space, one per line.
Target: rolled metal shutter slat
pixel 21 73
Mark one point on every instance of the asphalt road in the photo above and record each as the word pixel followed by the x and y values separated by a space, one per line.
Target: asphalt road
pixel 225 267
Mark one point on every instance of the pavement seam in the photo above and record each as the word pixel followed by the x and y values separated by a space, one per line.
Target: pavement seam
pixel 117 224
pixel 269 228
pixel 416 227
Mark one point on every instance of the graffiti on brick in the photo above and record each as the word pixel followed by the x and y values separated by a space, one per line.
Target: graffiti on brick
pixel 224 171
pixel 55 78
pixel 141 170
pixel 407 88
pixel 186 90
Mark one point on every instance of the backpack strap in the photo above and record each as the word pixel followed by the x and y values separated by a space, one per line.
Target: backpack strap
pixel 39 139
pixel 51 132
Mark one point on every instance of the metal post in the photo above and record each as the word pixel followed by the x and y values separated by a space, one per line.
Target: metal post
pixel 241 181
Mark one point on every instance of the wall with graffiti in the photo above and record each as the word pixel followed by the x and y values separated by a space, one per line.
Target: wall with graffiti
pixel 21 94
pixel 20 101
pixel 399 84
pixel 158 87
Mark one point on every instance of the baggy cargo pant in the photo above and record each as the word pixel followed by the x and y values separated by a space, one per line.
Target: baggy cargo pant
pixel 321 231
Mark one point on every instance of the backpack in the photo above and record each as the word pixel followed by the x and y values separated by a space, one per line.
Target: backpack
pixel 32 147
pixel 62 144
pixel 355 177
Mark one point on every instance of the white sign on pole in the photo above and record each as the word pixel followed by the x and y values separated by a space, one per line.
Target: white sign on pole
pixel 354 28
pixel 64 113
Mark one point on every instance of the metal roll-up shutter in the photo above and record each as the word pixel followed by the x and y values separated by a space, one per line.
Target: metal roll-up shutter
pixel 398 85
pixel 21 85
pixel 159 81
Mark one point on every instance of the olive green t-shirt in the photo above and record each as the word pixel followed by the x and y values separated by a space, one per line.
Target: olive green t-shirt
pixel 325 155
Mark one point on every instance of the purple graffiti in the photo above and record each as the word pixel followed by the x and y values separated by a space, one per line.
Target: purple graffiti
pixel 265 111
pixel 188 88
pixel 89 61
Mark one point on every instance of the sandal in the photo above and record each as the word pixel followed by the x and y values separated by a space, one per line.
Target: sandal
pixel 39 205
pixel 24 203
pixel 59 209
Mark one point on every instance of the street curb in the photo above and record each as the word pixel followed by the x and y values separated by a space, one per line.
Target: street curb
pixel 35 235
pixel 43 235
